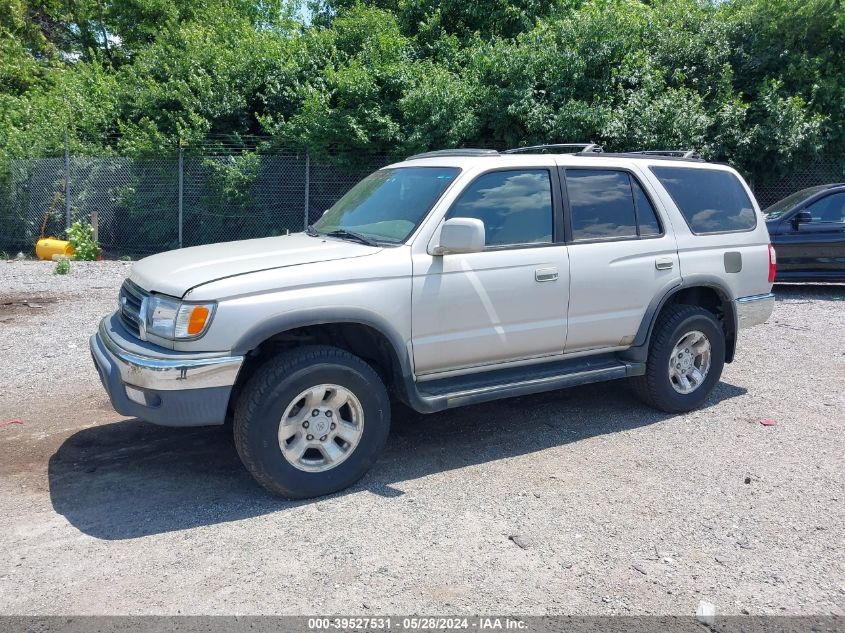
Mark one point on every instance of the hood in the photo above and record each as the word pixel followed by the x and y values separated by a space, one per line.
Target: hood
pixel 175 272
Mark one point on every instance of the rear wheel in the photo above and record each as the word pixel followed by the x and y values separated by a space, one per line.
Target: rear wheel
pixel 685 359
pixel 311 422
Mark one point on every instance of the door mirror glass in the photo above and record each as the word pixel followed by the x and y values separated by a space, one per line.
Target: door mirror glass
pixel 461 235
pixel 802 217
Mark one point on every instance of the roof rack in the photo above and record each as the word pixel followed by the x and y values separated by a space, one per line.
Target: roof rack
pixel 582 148
pixel 674 153
pixel 667 154
pixel 468 151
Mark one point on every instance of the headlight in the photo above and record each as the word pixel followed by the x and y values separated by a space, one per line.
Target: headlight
pixel 172 319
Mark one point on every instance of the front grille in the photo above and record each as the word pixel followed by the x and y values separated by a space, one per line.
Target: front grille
pixel 132 304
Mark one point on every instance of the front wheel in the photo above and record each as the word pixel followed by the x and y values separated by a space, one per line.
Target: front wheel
pixel 685 359
pixel 311 422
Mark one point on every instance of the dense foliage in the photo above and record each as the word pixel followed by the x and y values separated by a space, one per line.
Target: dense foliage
pixel 81 238
pixel 760 83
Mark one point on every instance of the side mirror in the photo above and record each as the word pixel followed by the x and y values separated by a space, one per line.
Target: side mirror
pixel 461 235
pixel 802 217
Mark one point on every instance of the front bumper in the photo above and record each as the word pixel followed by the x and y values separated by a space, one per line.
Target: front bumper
pixel 755 309
pixel 161 386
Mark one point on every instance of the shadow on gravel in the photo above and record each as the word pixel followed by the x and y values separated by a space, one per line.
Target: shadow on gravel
pixel 130 479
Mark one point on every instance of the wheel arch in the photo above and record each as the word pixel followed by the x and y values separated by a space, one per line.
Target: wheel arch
pixel 360 332
pixel 705 291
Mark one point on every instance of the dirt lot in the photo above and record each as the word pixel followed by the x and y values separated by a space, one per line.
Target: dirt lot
pixel 581 501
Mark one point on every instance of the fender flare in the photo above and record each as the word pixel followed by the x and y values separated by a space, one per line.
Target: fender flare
pixel 639 347
pixel 285 321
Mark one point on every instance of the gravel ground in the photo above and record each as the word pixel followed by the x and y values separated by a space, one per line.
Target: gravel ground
pixel 46 321
pixel 580 501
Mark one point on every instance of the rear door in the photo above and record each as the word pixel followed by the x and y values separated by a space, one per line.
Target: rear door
pixel 621 255
pixel 815 248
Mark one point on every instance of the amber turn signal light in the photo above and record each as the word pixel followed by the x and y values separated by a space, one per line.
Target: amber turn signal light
pixel 196 322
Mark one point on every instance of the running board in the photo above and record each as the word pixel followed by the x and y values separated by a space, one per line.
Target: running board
pixel 447 393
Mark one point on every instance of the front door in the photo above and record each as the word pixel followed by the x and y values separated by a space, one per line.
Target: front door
pixel 507 302
pixel 817 247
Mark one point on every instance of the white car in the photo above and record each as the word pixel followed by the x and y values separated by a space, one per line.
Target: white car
pixel 451 278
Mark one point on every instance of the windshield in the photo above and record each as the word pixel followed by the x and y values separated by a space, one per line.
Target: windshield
pixel 782 206
pixel 389 204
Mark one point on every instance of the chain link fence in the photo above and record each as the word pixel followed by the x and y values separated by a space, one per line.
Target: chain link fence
pixel 145 206
pixel 822 172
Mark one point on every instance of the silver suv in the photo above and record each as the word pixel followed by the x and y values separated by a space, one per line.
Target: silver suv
pixel 451 278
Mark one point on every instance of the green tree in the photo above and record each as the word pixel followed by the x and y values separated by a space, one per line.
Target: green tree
pixel 760 83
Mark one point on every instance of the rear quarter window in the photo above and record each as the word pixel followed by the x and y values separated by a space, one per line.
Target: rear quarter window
pixel 711 201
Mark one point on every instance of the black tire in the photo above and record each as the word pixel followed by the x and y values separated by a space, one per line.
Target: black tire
pixel 270 391
pixel 655 387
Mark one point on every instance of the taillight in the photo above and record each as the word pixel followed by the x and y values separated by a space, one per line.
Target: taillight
pixel 773 260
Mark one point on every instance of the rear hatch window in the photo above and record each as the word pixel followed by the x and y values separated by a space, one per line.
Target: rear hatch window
pixel 711 200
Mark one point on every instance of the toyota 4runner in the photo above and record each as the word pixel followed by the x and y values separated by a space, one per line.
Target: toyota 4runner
pixel 451 278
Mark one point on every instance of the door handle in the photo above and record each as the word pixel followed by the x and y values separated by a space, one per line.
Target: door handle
pixel 545 274
pixel 664 263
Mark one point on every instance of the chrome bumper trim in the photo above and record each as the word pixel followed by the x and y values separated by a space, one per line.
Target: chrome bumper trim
pixel 755 309
pixel 170 374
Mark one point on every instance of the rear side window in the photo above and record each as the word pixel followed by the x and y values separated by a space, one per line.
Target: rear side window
pixel 645 212
pixel 607 203
pixel 711 201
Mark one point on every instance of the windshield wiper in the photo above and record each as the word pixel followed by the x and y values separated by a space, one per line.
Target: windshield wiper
pixel 358 237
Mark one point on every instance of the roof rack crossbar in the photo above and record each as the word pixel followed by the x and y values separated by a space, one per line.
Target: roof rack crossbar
pixel 468 151
pixel 583 148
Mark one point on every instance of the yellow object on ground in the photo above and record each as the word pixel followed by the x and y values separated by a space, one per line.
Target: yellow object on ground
pixel 48 247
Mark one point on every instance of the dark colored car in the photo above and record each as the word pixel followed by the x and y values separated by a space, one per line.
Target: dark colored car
pixel 808 231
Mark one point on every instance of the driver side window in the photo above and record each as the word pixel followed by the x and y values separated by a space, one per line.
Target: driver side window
pixel 514 205
pixel 829 209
